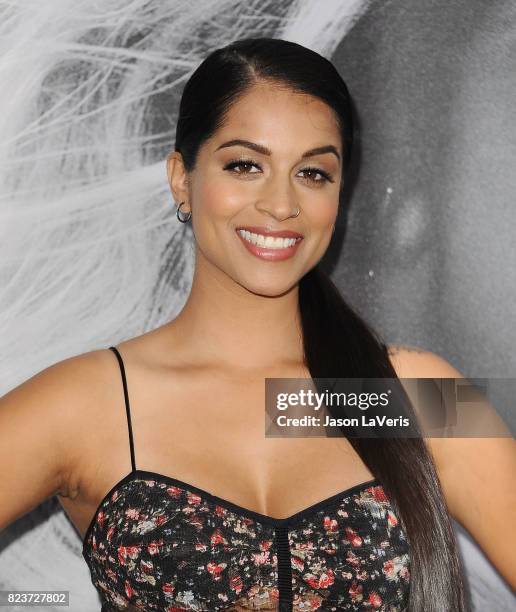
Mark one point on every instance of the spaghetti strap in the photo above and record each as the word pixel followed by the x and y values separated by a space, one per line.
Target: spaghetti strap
pixel 127 409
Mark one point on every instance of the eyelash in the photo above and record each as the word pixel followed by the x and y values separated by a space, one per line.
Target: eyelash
pixel 241 162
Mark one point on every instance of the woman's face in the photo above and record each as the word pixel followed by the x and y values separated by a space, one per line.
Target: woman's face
pixel 236 186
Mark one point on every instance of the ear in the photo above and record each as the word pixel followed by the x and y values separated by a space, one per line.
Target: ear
pixel 178 178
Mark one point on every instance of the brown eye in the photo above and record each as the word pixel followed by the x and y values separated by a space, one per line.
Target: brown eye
pixel 314 171
pixel 241 163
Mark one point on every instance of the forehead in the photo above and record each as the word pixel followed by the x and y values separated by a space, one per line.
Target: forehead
pixel 277 115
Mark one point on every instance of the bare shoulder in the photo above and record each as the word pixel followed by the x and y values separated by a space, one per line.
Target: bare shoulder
pixel 477 474
pixel 87 384
pixel 415 362
pixel 43 423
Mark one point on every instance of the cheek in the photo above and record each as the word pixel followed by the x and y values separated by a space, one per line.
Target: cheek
pixel 320 218
pixel 321 214
pixel 215 203
pixel 217 198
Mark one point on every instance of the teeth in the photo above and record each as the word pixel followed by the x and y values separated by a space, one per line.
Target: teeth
pixel 268 242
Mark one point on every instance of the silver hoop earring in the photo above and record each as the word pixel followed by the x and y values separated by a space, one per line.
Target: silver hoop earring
pixel 183 219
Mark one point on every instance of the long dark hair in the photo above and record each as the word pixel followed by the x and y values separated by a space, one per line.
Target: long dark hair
pixel 403 466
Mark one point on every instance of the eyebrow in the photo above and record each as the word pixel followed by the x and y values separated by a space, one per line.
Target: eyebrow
pixel 265 151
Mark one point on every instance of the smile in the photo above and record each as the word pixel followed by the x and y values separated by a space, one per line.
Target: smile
pixel 270 248
pixel 268 242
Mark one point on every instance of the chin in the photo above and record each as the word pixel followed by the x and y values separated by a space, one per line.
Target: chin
pixel 269 289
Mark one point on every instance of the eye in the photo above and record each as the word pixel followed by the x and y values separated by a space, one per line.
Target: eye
pixel 325 175
pixel 237 163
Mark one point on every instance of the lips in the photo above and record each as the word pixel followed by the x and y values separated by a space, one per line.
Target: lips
pixel 268 253
pixel 256 229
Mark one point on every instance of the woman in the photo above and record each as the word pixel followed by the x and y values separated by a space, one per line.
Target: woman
pixel 212 515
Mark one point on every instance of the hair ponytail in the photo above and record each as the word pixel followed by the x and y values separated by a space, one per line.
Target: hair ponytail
pixel 339 343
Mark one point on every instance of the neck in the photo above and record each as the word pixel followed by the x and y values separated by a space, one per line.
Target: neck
pixel 225 324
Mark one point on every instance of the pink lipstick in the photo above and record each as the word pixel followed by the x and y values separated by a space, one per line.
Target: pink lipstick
pixel 267 244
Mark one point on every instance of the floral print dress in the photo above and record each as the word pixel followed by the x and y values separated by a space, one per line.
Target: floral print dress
pixel 158 543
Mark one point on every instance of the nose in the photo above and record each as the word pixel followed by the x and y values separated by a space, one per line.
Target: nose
pixel 278 199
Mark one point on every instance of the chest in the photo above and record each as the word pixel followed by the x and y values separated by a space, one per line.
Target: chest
pixel 211 435
pixel 209 513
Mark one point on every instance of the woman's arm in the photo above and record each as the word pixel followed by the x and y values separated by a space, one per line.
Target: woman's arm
pixel 478 475
pixel 40 420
